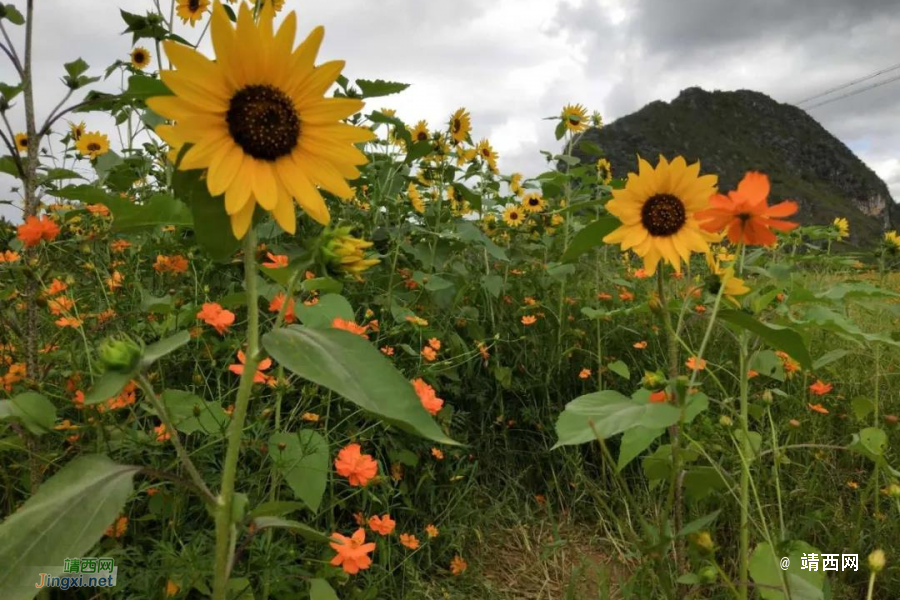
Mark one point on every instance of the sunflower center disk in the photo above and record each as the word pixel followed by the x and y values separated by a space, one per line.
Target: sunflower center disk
pixel 262 120
pixel 663 214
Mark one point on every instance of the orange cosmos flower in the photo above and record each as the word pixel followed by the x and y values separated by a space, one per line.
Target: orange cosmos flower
pixel 435 343
pixel 431 531
pixel 625 295
pixel 820 388
pixel 529 320
pixel 659 397
pixel 382 525
pixel 746 214
pixel 458 565
pixel 437 453
pixel 259 376
pixel 56 287
pixel 119 245
pixel 215 316
pixel 387 350
pixel 9 256
pixel 276 261
pixel 604 296
pixel 357 467
pixel 818 408
pixel 161 433
pixel 695 364
pixel 640 345
pixel 350 326
pixel 428 396
pixel 114 281
pixel 584 373
pixel 277 302
pixel 171 264
pixel 33 230
pixel 98 209
pixel 429 354
pixel 60 305
pixel 68 322
pixel 409 540
pixel 118 528
pixel 352 552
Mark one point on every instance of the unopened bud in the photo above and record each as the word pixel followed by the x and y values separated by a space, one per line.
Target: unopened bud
pixel 726 421
pixel 876 561
pixel 120 355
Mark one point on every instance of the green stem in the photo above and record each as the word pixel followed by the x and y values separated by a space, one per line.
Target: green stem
pixel 225 501
pixel 871 587
pixel 746 451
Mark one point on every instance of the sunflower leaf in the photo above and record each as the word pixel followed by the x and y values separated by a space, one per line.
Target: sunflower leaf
pixel 379 87
pixel 11 14
pixel 210 221
pixel 590 237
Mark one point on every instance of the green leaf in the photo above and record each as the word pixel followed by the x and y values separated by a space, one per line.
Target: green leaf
pixel 781 338
pixel 325 285
pixel 275 508
pixel 89 194
pixel 765 569
pixel 620 369
pixel 379 87
pixel 190 413
pixel 349 365
pixel 754 439
pixel 828 358
pixel 319 589
pixel 493 284
pixel 862 407
pixel 611 413
pixel 158 211
pixel 209 220
pixel 767 363
pixel 59 174
pixel 304 531
pixel 65 518
pixel 842 291
pixel 417 151
pixel 700 482
pixel 560 130
pixel 76 67
pixel 8 166
pixel 590 237
pixel 698 524
pixel 323 313
pixel 141 87
pixel 34 410
pixel 157 350
pixel 635 441
pixel 12 14
pixel 871 442
pixel 108 386
pixel 302 459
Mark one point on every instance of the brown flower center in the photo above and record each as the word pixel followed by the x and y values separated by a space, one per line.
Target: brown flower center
pixel 93 147
pixel 194 5
pixel 262 120
pixel 663 215
pixel 139 57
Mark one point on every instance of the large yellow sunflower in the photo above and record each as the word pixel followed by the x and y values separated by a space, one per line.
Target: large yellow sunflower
pixel 513 215
pixel 419 133
pixel 657 210
pixel 191 10
pixel 575 117
pixel 460 125
pixel 258 121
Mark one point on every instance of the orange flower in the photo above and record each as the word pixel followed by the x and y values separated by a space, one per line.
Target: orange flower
pixel 172 588
pixel 818 408
pixel 352 552
pixel 604 296
pixel 529 320
pixel 820 388
pixel 382 525
pixel 172 264
pixel 161 434
pixel 746 213
pixel 458 565
pixel 432 531
pixel 640 274
pixel 350 326
pixel 215 316
pixel 435 343
pixel 428 396
pixel 659 397
pixel 409 540
pixel 60 305
pixel 114 281
pixel 98 209
pixel 68 322
pixel 584 373
pixel 9 256
pixel 429 354
pixel 437 453
pixel 357 467
pixel 119 245
pixel 640 345
pixel 625 295
pixel 259 376
pixel 387 350
pixel 56 287
pixel 118 528
pixel 33 230
pixel 277 302
pixel 276 261
pixel 695 364
pixel 310 417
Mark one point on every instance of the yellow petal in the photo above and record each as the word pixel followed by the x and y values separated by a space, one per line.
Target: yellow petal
pixel 223 168
pixel 238 193
pixel 303 191
pixel 240 221
pixel 265 188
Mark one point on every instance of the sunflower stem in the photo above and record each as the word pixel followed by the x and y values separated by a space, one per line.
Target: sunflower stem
pixel 225 502
pixel 746 451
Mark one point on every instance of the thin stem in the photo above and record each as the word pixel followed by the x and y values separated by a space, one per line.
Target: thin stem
pixel 225 502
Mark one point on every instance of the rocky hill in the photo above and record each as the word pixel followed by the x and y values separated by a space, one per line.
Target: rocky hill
pixel 733 132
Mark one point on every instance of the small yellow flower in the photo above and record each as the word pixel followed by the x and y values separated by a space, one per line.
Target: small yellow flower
pixel 575 117
pixel 140 58
pixel 22 143
pixel 843 227
pixel 513 215
pixel 93 144
pixel 460 125
pixel 415 198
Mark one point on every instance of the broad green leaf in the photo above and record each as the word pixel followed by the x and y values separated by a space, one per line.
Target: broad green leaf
pixel 755 442
pixel 89 194
pixel 275 508
pixel 379 87
pixel 158 211
pixel 190 413
pixel 304 531
pixel 108 386
pixel 700 482
pixel 65 518
pixel 349 365
pixel 34 410
pixel 590 237
pixel 12 14
pixel 781 338
pixel 610 413
pixel 635 441
pixel 620 369
pixel 239 588
pixel 157 350
pixel 765 569
pixel 862 407
pixel 325 285
pixel 824 318
pixel 76 67
pixel 302 459
pixel 871 442
pixel 141 87
pixel 698 524
pixel 210 222
pixel 58 174
pixel 153 304
pixel 323 313
pixel 319 589
pixel 766 362
pixel 841 291
pixel 493 284
pixel 828 358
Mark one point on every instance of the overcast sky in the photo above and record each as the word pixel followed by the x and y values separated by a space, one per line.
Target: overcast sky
pixel 513 62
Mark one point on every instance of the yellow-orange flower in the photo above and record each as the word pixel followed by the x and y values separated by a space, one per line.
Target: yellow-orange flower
pixel 357 467
pixel 352 552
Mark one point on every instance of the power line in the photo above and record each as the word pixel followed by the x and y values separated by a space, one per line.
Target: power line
pixel 850 83
pixel 854 92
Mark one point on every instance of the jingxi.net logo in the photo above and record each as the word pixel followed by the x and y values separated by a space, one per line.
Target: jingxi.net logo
pixel 80 572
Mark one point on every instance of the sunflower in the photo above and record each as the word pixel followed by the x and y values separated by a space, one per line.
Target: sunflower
pixel 419 133
pixel 76 130
pixel 460 125
pixel 140 58
pixel 191 10
pixel 487 154
pixel 515 184
pixel 843 228
pixel 575 117
pixel 22 142
pixel 892 241
pixel 533 202
pixel 92 144
pixel 657 210
pixel 604 171
pixel 489 224
pixel 719 276
pixel 415 198
pixel 513 215
pixel 258 120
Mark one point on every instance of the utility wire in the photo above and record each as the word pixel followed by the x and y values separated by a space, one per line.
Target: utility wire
pixel 854 92
pixel 849 84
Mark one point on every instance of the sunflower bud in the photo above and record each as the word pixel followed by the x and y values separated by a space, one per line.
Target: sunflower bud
pixel 708 574
pixel 876 561
pixel 120 355
pixel 654 304
pixel 654 380
pixel 767 396
pixel 703 541
pixel 344 253
pixel 726 421
pixel 894 490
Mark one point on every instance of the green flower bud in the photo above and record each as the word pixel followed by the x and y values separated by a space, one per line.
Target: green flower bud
pixel 767 397
pixel 726 421
pixel 708 574
pixel 654 380
pixel 894 490
pixel 703 541
pixel 876 561
pixel 120 355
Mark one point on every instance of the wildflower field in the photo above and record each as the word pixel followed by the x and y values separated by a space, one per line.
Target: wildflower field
pixel 285 343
